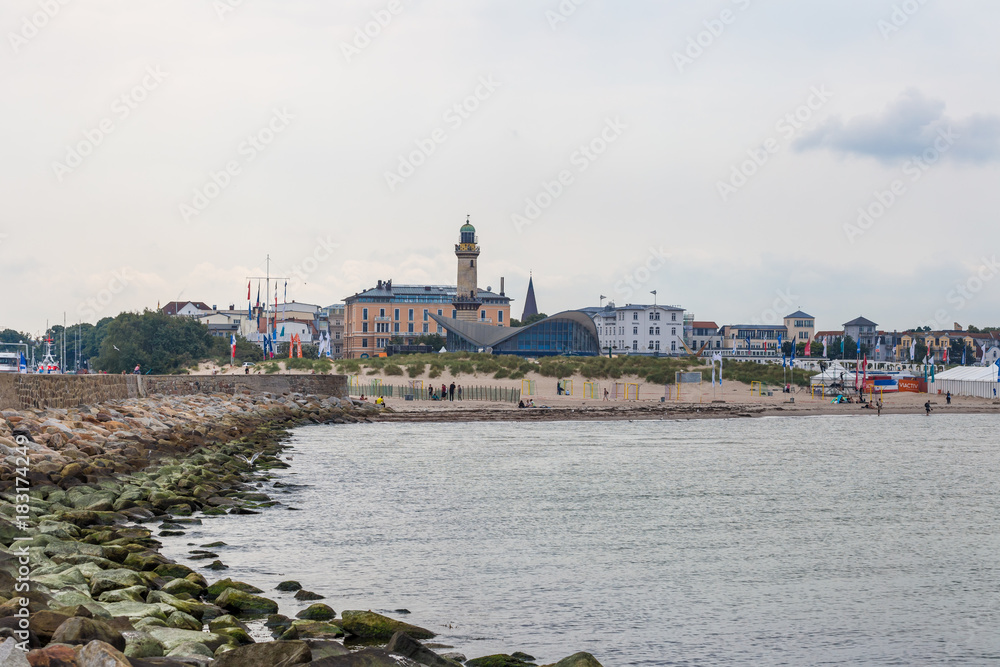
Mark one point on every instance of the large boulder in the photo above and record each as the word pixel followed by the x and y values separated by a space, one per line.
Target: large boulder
pixel 578 660
pixel 80 630
pixel 270 654
pixel 193 608
pixel 101 654
pixel 130 594
pixel 171 638
pixel 242 603
pixel 56 655
pixel 109 580
pixel 139 644
pixel 369 625
pixel 369 657
pixel 45 623
pixel 317 612
pixel 11 655
pixel 498 660
pixel 403 644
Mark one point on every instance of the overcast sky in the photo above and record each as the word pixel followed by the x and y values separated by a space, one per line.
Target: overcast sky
pixel 717 152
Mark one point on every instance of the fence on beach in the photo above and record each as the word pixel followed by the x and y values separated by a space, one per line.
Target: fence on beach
pixel 418 392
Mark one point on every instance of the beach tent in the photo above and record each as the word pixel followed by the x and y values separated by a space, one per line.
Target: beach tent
pixel 833 374
pixel 979 381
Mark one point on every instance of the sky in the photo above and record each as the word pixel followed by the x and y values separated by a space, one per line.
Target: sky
pixel 742 158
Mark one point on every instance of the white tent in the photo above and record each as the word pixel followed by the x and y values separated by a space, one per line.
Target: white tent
pixel 979 381
pixel 834 373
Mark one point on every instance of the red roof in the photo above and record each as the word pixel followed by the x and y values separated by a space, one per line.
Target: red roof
pixel 705 325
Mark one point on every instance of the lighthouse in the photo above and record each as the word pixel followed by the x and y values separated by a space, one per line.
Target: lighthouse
pixel 467 301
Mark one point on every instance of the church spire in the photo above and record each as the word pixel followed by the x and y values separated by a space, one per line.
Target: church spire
pixel 530 308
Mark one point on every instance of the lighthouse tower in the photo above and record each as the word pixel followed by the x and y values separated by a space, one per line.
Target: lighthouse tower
pixel 467 301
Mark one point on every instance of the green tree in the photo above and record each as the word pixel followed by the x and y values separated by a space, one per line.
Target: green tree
pixel 158 343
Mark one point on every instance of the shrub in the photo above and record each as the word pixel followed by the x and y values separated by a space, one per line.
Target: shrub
pixel 392 369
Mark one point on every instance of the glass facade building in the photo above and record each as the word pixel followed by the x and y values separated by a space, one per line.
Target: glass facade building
pixel 572 333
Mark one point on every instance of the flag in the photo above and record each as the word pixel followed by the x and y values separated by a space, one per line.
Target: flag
pixel 791 359
pixel 963 354
pixel 286 291
pixel 747 339
pixel 842 341
pixel 248 290
pixel 824 346
pixel 878 346
pixel 945 355
pixel 23 365
pixel 282 330
pixel 808 351
pixel 258 295
pixel 913 349
pixel 997 364
pixel 232 345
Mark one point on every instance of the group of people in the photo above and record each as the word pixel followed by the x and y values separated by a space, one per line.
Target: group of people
pixel 448 392
pixel 529 404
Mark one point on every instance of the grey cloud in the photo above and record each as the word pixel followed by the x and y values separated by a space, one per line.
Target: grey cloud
pixel 908 126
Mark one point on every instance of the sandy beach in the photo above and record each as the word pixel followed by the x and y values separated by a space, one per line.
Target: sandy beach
pixel 732 399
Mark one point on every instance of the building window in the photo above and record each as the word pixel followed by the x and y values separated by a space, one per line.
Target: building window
pixel 657 331
pixel 364 313
pixel 411 317
pixel 673 317
pixel 673 346
pixel 635 345
pixel 650 345
pixel 440 312
pixel 395 327
pixel 381 312
pixel 650 331
pixel 657 345
pixel 336 336
pixel 673 331
pixel 500 316
pixel 425 314
pixel 482 315
pixel 635 331
pixel 397 314
pixel 364 327
pixel 425 327
pixel 364 342
pixel 635 316
pixel 454 313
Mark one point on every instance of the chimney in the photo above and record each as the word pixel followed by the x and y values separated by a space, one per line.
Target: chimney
pixel 501 285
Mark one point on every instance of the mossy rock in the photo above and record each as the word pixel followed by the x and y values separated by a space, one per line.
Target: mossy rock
pixel 498 660
pixel 289 586
pixel 179 619
pixel 178 586
pixel 316 630
pixel 578 660
pixel 308 595
pixel 369 625
pixel 238 635
pixel 317 612
pixel 243 603
pixel 227 621
pixel 216 589
pixel 130 594
pixel 172 570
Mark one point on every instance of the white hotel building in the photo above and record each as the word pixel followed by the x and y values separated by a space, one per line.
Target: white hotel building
pixel 639 329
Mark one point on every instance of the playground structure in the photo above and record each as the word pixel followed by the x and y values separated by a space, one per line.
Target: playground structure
pixel 591 390
pixel 756 386
pixel 417 384
pixel 567 387
pixel 527 387
pixel 627 391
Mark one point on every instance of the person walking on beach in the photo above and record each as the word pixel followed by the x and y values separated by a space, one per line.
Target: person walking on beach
pixel 927 408
pixel 444 391
pixel 459 392
pixel 947 398
pixel 451 392
pixel 605 393
pixel 879 406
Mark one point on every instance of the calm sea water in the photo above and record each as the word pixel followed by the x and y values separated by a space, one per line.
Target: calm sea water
pixel 826 540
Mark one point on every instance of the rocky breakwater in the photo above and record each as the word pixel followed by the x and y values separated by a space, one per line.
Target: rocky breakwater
pixel 83 583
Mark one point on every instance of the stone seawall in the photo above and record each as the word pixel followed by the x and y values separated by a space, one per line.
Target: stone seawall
pixel 66 391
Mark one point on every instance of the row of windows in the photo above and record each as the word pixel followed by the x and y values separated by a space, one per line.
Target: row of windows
pixel 653 345
pixel 653 315
pixel 440 312
pixel 653 331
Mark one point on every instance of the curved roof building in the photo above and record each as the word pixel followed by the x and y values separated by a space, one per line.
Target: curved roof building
pixel 570 333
